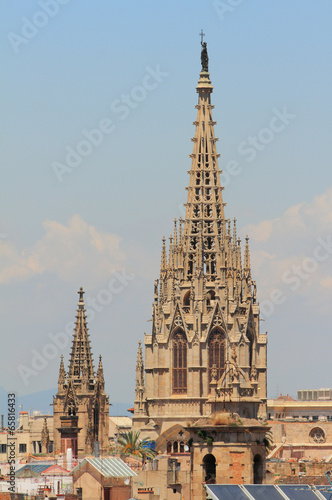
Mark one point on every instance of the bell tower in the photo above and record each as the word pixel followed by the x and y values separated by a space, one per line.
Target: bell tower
pixel 81 406
pixel 205 353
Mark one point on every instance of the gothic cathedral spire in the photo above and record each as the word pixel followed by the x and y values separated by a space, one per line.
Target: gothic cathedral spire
pixel 205 350
pixel 81 362
pixel 81 405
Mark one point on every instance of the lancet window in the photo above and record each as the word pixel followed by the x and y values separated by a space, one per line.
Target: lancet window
pixel 179 345
pixel 217 353
pixel 250 337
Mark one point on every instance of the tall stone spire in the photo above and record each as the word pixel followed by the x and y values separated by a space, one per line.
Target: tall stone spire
pixel 206 311
pixel 204 208
pixel 81 362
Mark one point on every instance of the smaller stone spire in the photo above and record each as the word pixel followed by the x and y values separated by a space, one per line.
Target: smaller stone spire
pixel 139 368
pixel 100 372
pixel 247 268
pixel 234 234
pixel 180 232
pixel 175 235
pixel 170 255
pixel 140 386
pixel 62 373
pixel 45 438
pixel 239 263
pixel 139 362
pixel 163 267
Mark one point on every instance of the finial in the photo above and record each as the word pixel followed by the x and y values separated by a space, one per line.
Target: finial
pixel 62 373
pixel 181 221
pixel 234 232
pixel 247 256
pixel 170 254
pixel 81 293
pixel 175 234
pixel 163 256
pixel 139 362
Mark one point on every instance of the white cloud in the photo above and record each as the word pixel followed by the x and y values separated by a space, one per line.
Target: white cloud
pixel 76 252
pixel 284 250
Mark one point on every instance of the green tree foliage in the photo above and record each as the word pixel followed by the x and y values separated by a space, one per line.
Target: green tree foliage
pixel 131 444
pixel 268 441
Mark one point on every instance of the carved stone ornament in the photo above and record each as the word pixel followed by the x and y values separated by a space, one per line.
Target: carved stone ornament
pixel 178 321
pixel 253 373
pixel 217 321
pixel 246 392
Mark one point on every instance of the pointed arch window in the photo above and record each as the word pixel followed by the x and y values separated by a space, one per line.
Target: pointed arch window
pixel 217 352
pixel 250 337
pixel 179 362
pixel 186 299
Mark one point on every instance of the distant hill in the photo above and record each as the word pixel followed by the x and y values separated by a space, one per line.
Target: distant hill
pixel 41 401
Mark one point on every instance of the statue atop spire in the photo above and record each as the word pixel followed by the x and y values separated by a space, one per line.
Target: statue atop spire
pixel 204 57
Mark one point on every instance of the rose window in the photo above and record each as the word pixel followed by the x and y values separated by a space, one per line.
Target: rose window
pixel 317 435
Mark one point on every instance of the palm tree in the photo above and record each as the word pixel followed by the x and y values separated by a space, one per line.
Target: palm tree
pixel 131 444
pixel 268 441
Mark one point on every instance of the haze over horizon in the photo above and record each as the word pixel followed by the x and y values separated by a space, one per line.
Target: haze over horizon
pixel 99 103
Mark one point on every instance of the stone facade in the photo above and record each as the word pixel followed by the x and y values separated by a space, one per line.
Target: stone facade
pixel 301 440
pixel 81 406
pixel 33 436
pixel 302 430
pixel 227 449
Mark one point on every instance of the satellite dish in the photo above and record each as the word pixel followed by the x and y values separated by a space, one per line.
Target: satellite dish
pixel 126 481
pixel 186 447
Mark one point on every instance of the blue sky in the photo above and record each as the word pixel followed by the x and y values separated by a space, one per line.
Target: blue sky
pixel 69 65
